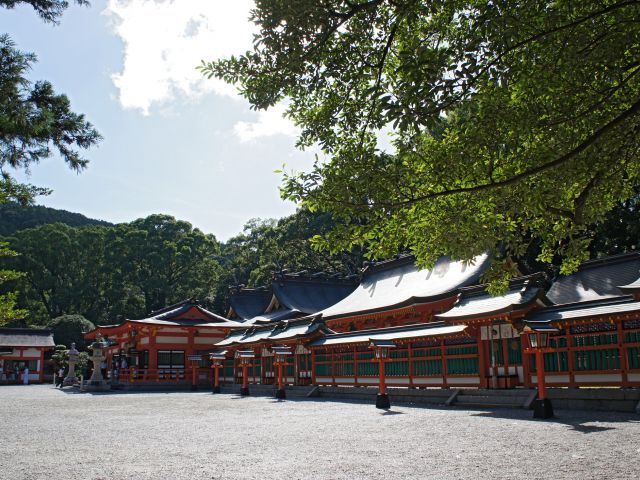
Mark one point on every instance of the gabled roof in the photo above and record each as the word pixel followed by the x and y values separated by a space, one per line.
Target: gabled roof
pixel 278 332
pixel 26 337
pixel 475 302
pixel 398 283
pixel 595 309
pixel 247 303
pixel 187 313
pixel 416 331
pixel 597 279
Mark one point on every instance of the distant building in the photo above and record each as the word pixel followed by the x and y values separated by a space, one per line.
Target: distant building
pixel 20 348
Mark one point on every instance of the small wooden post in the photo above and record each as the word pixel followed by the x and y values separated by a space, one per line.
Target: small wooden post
pixel 217 361
pixel 381 355
pixel 281 353
pixel 194 359
pixel 245 356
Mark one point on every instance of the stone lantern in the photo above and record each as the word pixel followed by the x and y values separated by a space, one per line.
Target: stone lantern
pixel 74 356
pixel 97 382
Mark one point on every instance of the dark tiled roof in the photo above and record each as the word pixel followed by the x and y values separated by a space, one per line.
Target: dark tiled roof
pixel 422 330
pixel 474 302
pixel 596 308
pixel 275 316
pixel 250 302
pixel 632 287
pixel 25 337
pixel 278 332
pixel 308 294
pixel 596 279
pixel 398 283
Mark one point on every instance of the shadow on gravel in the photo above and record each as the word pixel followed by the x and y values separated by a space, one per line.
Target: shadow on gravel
pixel 391 412
pixel 582 421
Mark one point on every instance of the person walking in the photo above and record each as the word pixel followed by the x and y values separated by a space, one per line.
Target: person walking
pixel 60 377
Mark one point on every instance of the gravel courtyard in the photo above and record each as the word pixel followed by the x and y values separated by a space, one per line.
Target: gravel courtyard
pixel 50 434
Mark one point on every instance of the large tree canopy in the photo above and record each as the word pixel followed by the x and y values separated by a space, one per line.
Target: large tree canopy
pixel 511 121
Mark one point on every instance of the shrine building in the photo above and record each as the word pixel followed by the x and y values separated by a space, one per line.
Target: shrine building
pixel 23 347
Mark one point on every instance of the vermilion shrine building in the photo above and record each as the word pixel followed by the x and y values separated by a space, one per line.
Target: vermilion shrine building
pixel 446 329
pixel 23 347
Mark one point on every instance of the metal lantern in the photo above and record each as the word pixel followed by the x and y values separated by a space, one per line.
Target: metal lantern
pixel 381 348
pixel 245 357
pixel 217 358
pixel 281 352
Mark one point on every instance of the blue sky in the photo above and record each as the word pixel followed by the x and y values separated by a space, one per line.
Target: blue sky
pixel 173 142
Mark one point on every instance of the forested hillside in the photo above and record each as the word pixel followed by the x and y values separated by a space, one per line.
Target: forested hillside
pixel 110 272
pixel 14 217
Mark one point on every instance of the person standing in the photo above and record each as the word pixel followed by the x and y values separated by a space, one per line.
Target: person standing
pixel 60 378
pixel 25 376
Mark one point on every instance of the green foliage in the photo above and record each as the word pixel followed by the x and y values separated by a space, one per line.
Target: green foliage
pixel 266 246
pixel 48 10
pixel 69 329
pixel 8 301
pixel 34 120
pixel 14 217
pixel 512 122
pixel 108 273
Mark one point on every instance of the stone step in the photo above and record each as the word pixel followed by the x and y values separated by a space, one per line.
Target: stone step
pixel 488 405
pixel 524 393
pixel 488 400
pixel 269 390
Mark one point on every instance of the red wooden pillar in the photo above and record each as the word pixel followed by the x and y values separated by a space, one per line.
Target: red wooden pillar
pixel 526 365
pixel 505 360
pixel 410 357
pixel 41 366
pixel 542 388
pixel 382 381
pixel 280 379
pixel 355 366
pixel 333 367
pixel 445 368
pixel 245 376
pixel 624 367
pixel 313 367
pixel 482 359
pixel 571 360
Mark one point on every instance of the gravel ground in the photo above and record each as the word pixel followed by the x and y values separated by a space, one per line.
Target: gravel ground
pixel 49 434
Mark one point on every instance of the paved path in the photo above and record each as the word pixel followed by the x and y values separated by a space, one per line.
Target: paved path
pixel 49 434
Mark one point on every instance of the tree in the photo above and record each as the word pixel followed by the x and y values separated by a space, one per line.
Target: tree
pixel 34 120
pixel 48 10
pixel 8 300
pixel 68 329
pixel 513 122
pixel 109 273
pixel 267 246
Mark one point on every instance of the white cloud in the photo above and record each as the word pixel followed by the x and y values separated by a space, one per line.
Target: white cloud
pixel 270 122
pixel 164 40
